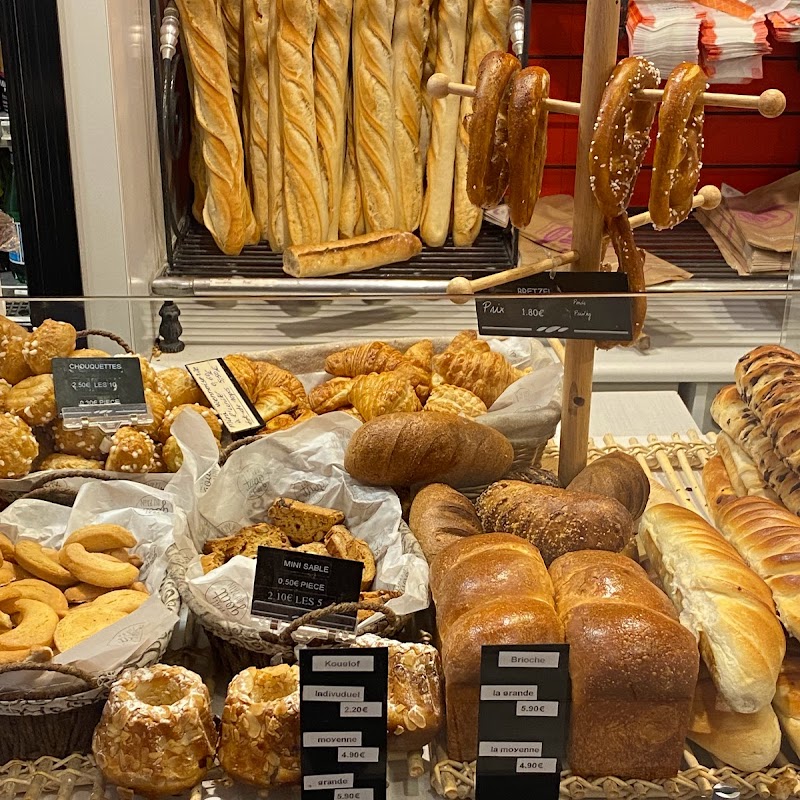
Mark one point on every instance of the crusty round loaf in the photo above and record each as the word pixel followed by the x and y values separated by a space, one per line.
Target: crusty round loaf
pixel 405 449
pixel 616 475
pixel 557 521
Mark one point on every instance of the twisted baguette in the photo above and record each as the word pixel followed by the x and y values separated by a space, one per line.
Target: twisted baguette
pixel 409 41
pixel 450 50
pixel 306 210
pixel 373 111
pixel 428 68
pixel 197 167
pixel 232 24
pixel 489 31
pixel 276 232
pixel 351 211
pixel 331 57
pixel 226 212
pixel 256 39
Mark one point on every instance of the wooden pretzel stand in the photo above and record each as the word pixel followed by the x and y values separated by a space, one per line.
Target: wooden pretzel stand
pixel 599 59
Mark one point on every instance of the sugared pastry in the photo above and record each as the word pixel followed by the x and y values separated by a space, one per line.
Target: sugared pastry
pixel 65 461
pixel 210 416
pixel 13 367
pixel 5 388
pixel 33 400
pixel 88 352
pixel 172 455
pixel 158 408
pixel 149 375
pixel 83 442
pixel 245 373
pixel 180 388
pixel 50 340
pixel 18 447
pixel 157 734
pixel 260 740
pixel 131 451
pixel 158 459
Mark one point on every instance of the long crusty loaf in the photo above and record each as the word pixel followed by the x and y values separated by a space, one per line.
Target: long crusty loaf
pixel 233 25
pixel 256 78
pixel 227 212
pixel 351 211
pixel 488 32
pixel 557 521
pixel 409 40
pixel 450 50
pixel 633 668
pixel 787 698
pixel 767 536
pixel 428 68
pixel 439 517
pixel 721 600
pixel 405 449
pixel 304 200
pixel 489 589
pixel 373 111
pixel 616 475
pixel 331 60
pixel 350 255
pixel 277 232
pixel 197 166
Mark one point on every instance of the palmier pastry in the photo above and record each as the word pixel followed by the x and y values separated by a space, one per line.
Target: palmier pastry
pixel 383 393
pixel 487 165
pixel 179 388
pixel 331 395
pixel 679 147
pixel 621 134
pixel 131 451
pixel 18 447
pixel 455 400
pixel 33 400
pixel 83 442
pixel 157 734
pixel 209 415
pixel 50 340
pixel 527 141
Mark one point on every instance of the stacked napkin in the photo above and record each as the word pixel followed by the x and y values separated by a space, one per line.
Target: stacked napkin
pixel 733 47
pixel 665 32
pixel 786 23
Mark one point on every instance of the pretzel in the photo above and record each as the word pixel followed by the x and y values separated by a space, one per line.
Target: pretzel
pixel 631 262
pixel 487 167
pixel 679 146
pixel 621 134
pixel 527 141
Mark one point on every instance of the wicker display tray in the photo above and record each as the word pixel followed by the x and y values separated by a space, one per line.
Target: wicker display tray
pixel 675 464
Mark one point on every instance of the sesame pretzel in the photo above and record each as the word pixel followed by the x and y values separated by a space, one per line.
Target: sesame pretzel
pixel 621 134
pixel 679 147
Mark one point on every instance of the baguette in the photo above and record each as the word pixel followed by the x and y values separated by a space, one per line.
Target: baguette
pixel 373 112
pixel 277 233
pixel 197 167
pixel 428 68
pixel 232 24
pixel 450 51
pixel 406 449
pixel 306 209
pixel 767 536
pixel 331 62
pixel 351 212
pixel 256 79
pixel 489 31
pixel 226 212
pixel 616 475
pixel 441 516
pixel 350 255
pixel 787 699
pixel 721 601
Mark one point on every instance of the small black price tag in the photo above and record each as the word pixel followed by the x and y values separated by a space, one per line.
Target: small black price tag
pixel 343 697
pixel 289 584
pixel 226 396
pixel 523 718
pixel 526 312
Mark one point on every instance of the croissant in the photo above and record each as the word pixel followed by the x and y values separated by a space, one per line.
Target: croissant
pixel 363 359
pixel 331 395
pixel 420 379
pixel 456 400
pixel 270 376
pixel 273 401
pixel 243 370
pixel 279 423
pixel 421 354
pixel 485 374
pixel 383 393
pixel 467 340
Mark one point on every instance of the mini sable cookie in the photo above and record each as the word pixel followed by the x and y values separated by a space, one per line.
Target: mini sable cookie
pixel 13 367
pixel 179 388
pixel 65 461
pixel 131 451
pixel 18 447
pixel 83 442
pixel 50 340
pixel 301 522
pixel 33 400
pixel 340 543
pixel 210 416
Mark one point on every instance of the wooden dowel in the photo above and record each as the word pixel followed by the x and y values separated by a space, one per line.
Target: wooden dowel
pixel 558 348
pixel 770 104
pixel 708 197
pixel 416 764
pixel 461 290
pixel 440 86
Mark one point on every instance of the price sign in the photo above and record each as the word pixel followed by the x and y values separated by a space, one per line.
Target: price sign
pixel 106 392
pixel 343 695
pixel 523 717
pixel 289 584
pixel 227 397
pixel 530 309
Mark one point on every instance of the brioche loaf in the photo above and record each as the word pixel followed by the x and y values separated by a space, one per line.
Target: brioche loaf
pixel 488 589
pixel 557 521
pixel 441 516
pixel 616 475
pixel 405 449
pixel 633 668
pixel 721 601
pixel 787 698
